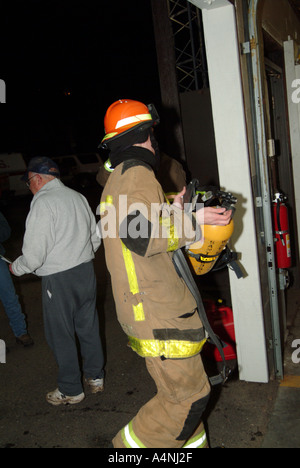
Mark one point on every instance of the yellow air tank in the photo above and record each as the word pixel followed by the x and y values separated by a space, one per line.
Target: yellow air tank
pixel 203 255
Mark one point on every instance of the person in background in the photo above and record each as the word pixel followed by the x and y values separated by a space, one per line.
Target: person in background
pixel 59 245
pixel 8 295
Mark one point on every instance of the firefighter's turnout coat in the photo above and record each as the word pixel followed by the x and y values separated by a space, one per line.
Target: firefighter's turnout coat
pixel 140 231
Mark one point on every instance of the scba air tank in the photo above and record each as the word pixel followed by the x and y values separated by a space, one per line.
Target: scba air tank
pixel 204 254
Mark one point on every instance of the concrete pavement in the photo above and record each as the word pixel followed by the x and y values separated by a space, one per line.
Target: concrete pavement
pixel 284 426
pixel 240 414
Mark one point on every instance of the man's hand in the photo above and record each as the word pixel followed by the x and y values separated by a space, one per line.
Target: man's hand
pixel 208 215
pixel 178 199
pixel 214 216
pixel 10 269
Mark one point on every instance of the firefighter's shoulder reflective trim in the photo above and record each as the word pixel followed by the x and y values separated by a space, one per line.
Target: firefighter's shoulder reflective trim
pixel 138 310
pixel 130 440
pixel 173 241
pixel 107 166
pixel 108 202
pixel 199 441
pixel 171 349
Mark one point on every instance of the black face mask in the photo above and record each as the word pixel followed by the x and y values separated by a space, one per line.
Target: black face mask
pixel 123 149
pixel 126 141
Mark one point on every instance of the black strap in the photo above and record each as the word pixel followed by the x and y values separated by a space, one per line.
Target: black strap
pixel 185 273
pixel 228 259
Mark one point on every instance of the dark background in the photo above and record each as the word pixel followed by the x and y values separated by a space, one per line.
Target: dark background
pixel 64 62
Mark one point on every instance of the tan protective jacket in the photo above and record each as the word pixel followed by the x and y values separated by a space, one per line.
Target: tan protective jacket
pixel 140 231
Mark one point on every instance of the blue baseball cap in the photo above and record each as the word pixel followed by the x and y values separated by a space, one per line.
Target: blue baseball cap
pixel 42 165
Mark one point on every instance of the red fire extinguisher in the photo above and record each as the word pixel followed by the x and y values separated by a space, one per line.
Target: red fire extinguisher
pixel 282 233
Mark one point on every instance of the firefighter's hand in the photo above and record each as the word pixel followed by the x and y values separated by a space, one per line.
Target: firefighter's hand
pixel 178 199
pixel 214 216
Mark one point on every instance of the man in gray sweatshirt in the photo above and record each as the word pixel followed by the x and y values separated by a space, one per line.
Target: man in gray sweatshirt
pixel 59 245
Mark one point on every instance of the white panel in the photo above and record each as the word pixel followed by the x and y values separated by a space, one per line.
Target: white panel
pixel 2 92
pixel 209 4
pixel 233 161
pixel 293 94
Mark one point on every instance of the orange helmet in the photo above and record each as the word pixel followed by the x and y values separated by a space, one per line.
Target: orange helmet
pixel 125 115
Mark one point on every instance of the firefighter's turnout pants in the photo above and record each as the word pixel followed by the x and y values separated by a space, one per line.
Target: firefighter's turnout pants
pixel 172 419
pixel 155 308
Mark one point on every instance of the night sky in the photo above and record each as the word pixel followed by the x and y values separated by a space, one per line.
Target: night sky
pixel 64 62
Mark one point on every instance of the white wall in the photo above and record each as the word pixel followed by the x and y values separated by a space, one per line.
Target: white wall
pixel 293 94
pixel 233 161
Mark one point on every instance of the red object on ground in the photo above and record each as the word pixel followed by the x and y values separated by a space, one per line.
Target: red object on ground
pixel 221 321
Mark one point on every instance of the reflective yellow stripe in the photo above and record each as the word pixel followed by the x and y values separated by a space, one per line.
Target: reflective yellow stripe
pixel 108 202
pixel 133 119
pixel 129 438
pixel 171 349
pixel 170 194
pixel 138 310
pixel 128 121
pixel 107 166
pixel 173 241
pixel 166 199
pixel 199 441
pixel 109 135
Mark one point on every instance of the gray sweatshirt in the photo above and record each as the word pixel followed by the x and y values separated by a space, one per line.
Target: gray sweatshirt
pixel 60 232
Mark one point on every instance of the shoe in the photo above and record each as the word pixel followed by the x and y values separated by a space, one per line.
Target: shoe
pixel 96 385
pixel 25 340
pixel 57 398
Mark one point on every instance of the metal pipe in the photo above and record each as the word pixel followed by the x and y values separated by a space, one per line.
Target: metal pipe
pixel 261 159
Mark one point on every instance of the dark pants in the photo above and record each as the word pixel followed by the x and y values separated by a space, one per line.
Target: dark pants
pixel 69 308
pixel 10 302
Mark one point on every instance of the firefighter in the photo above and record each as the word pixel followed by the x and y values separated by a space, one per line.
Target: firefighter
pixel 154 306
